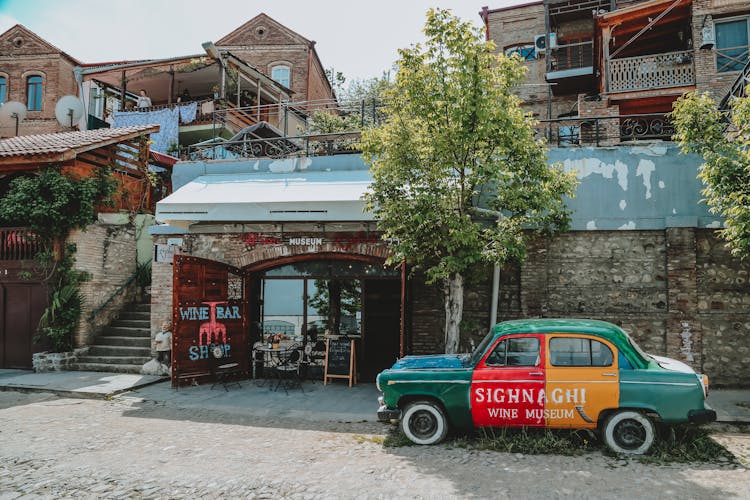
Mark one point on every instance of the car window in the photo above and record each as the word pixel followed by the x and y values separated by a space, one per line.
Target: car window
pixel 573 351
pixel 517 351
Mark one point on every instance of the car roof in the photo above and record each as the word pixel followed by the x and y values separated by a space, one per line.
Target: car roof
pixel 603 329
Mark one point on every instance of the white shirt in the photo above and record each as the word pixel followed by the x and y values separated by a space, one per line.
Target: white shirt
pixel 163 341
pixel 144 101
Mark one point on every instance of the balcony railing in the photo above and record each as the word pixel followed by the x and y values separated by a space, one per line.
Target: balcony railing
pixel 277 147
pixel 18 243
pixel 573 56
pixel 606 130
pixel 673 69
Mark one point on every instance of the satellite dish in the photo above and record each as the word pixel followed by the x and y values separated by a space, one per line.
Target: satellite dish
pixel 68 110
pixel 12 113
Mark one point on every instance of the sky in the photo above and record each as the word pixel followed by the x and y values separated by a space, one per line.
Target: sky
pixel 359 39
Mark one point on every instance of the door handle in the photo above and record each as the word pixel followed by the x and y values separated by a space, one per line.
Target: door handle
pixel 536 373
pixel 609 374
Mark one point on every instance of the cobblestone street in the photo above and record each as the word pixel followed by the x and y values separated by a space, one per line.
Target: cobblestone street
pixel 130 448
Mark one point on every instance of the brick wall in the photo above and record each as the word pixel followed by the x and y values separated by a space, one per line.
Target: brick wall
pixel 678 292
pixel 107 252
pixel 23 54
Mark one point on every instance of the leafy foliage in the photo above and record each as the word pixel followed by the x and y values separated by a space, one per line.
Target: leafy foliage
pixel 701 128
pixel 52 203
pixel 455 141
pixel 60 320
pixel 456 138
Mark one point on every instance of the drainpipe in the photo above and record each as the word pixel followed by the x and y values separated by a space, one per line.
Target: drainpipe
pixel 495 271
pixel 495 294
pixel 485 15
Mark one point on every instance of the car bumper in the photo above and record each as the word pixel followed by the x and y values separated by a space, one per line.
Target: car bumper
pixel 701 416
pixel 386 414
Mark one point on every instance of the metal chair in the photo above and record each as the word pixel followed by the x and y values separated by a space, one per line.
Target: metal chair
pixel 288 370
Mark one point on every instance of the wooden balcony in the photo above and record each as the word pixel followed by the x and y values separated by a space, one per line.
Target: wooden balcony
pixel 656 71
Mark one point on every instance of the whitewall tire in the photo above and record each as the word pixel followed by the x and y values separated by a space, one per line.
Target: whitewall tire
pixel 629 432
pixel 424 422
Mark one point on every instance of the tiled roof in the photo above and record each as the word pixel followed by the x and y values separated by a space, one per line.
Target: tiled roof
pixel 65 142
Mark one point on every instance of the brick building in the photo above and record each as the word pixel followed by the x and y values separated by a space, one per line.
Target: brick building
pixel 106 250
pixel 284 55
pixel 607 71
pixel 36 74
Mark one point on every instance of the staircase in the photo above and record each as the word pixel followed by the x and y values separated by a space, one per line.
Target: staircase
pixel 123 346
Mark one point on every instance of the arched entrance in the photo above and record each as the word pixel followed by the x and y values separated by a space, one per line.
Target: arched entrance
pixel 313 297
pixel 306 297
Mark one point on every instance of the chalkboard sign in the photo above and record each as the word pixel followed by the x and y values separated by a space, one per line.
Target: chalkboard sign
pixel 340 360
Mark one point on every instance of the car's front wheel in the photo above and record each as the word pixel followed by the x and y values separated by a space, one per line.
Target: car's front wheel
pixel 629 432
pixel 424 422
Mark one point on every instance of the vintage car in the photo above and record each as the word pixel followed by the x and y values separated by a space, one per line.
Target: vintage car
pixel 553 373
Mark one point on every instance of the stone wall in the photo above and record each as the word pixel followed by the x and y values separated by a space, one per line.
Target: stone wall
pixel 106 250
pixel 677 291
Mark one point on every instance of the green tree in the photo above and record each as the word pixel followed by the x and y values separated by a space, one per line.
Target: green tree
pixel 455 147
pixel 725 147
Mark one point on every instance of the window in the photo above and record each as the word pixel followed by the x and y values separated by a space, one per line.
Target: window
pixel 579 352
pixel 520 351
pixel 3 89
pixel 526 52
pixel 34 93
pixel 281 74
pixel 732 40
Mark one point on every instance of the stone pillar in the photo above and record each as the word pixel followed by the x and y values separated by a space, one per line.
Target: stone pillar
pixel 684 332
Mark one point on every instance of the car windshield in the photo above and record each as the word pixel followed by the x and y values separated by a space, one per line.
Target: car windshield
pixel 477 354
pixel 637 348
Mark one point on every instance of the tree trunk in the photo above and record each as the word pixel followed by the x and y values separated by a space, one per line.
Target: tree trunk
pixel 454 307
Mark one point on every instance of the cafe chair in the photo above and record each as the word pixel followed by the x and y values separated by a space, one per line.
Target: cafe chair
pixel 224 374
pixel 288 370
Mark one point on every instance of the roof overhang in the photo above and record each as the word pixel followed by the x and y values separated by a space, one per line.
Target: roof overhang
pixel 295 197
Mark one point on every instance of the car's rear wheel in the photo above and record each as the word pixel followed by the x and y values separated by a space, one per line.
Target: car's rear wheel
pixel 629 432
pixel 424 422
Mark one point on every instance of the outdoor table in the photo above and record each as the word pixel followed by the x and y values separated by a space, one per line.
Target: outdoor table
pixel 270 356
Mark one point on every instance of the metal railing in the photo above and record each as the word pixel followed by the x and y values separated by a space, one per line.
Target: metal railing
pixel 673 69
pixel 18 243
pixel 596 131
pixel 573 56
pixel 277 147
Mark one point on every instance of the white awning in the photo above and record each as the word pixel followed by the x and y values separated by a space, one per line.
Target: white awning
pixel 308 196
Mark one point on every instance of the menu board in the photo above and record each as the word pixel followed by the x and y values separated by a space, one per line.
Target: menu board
pixel 340 360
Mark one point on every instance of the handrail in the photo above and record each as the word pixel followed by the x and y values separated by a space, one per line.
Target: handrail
pixel 114 294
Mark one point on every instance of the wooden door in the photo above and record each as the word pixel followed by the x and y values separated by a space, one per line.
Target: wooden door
pixel 382 327
pixel 21 306
pixel 210 319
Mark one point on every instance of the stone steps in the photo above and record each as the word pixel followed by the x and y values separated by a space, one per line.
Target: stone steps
pixel 109 367
pixel 124 346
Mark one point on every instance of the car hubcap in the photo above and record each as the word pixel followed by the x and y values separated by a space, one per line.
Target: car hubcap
pixel 630 434
pixel 423 424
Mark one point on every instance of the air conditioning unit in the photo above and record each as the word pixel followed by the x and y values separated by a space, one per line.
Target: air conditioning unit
pixel 540 43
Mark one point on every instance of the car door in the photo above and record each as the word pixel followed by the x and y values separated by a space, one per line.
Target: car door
pixel 508 383
pixel 582 380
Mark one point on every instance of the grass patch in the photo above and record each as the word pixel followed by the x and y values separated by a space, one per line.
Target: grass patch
pixel 396 438
pixel 680 444
pixel 684 444
pixel 534 441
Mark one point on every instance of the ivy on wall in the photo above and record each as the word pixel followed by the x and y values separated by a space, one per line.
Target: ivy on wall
pixel 51 204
